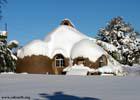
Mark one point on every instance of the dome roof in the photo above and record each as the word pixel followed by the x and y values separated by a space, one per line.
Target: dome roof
pixel 88 49
pixel 62 39
pixel 59 41
pixel 36 47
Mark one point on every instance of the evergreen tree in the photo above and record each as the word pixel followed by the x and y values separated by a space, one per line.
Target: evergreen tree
pixel 7 58
pixel 123 36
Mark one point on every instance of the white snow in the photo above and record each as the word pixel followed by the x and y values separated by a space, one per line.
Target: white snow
pixel 8 73
pixel 138 39
pixel 127 40
pixel 58 87
pixel 106 69
pixel 88 49
pixel 131 70
pixel 3 33
pixel 83 70
pixel 106 46
pixel 62 39
pixel 78 70
pixel 14 57
pixel 121 70
pixel 36 47
pixel 117 70
pixel 13 42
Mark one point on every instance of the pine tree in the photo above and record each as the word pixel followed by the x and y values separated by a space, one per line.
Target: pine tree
pixel 123 36
pixel 7 58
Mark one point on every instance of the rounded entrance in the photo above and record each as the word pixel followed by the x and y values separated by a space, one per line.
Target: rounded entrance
pixel 59 61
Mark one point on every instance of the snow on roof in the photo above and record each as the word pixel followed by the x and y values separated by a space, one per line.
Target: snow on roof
pixel 59 41
pixel 62 39
pixel 87 48
pixel 36 47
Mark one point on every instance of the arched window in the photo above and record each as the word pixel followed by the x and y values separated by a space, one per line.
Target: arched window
pixel 102 61
pixel 59 61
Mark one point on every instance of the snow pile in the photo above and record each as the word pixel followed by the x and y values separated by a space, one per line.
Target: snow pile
pixel 7 73
pixel 78 70
pixel 83 70
pixel 88 49
pixel 121 70
pixel 36 47
pixel 116 70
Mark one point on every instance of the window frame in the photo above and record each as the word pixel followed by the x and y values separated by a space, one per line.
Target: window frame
pixel 59 61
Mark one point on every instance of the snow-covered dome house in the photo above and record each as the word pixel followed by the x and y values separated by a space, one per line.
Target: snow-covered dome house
pixel 60 48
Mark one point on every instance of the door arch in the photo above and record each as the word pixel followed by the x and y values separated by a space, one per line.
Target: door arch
pixel 59 61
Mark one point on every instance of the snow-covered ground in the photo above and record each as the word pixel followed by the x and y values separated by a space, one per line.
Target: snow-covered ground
pixel 58 87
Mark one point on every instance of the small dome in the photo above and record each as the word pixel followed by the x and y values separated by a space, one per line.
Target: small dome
pixel 88 49
pixel 36 47
pixel 67 22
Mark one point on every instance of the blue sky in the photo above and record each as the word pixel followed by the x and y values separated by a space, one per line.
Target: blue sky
pixel 33 19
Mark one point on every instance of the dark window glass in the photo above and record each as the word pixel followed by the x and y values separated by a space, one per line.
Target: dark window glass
pixel 59 61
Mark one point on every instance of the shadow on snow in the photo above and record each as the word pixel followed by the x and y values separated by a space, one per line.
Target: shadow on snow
pixel 62 96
